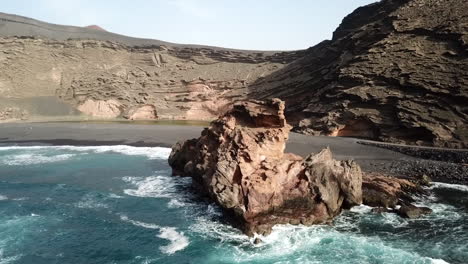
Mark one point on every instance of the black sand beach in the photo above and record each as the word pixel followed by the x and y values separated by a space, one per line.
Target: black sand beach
pixel 375 157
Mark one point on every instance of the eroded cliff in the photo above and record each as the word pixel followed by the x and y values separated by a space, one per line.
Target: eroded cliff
pixel 396 70
pixel 106 75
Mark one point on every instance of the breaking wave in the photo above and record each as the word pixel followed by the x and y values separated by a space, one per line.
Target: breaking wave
pixel 149 152
pixel 441 185
pixel 32 159
pixel 177 240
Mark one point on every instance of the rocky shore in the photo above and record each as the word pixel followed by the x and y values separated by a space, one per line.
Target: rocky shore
pixel 239 162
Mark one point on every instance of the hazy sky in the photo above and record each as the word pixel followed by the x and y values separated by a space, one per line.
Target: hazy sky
pixel 243 24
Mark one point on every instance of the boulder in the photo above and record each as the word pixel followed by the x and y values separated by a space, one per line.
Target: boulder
pixel 239 162
pixel 412 211
pixel 393 195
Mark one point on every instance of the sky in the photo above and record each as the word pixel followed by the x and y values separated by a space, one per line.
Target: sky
pixel 241 24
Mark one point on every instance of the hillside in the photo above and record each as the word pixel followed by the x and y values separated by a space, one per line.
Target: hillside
pixel 395 71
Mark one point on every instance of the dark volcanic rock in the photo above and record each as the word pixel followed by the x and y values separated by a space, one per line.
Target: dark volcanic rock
pixel 412 211
pixel 239 162
pixel 396 71
pixel 435 170
pixel 393 195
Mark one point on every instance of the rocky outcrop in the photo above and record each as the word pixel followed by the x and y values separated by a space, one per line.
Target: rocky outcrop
pixel 146 112
pixel 102 108
pixel 390 194
pixel 396 71
pixel 239 162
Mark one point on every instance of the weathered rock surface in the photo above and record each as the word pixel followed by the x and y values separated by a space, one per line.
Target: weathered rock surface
pixel 396 71
pixel 390 194
pixel 145 112
pixel 239 162
pixel 101 108
pixel 88 67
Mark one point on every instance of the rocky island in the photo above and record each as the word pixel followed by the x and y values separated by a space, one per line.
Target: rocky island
pixel 239 162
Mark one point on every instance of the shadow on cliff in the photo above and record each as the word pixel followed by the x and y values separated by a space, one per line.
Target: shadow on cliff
pixel 325 90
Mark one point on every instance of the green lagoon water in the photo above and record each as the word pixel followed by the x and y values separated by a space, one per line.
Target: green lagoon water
pixel 119 204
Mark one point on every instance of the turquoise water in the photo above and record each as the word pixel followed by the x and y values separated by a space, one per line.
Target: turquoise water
pixel 119 204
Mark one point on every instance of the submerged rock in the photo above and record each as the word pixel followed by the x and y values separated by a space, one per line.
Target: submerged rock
pixel 412 211
pixel 239 162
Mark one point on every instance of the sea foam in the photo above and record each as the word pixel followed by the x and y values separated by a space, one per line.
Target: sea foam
pixel 149 152
pixel 33 159
pixel 177 240
pixel 442 185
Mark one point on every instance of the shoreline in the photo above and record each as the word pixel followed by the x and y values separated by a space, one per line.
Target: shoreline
pixel 371 156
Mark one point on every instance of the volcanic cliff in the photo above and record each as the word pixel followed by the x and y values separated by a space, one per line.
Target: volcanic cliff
pixel 395 71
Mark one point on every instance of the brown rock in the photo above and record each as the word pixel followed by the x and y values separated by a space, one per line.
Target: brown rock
pixel 101 108
pixel 412 211
pixel 384 191
pixel 146 112
pixel 239 161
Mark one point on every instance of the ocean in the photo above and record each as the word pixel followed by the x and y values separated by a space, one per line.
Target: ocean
pixel 120 204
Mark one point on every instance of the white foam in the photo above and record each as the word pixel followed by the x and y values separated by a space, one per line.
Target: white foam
pixel 175 203
pixel 177 240
pixel 153 186
pixel 20 199
pixel 3 197
pixel 7 260
pixel 115 196
pixel 149 152
pixel 361 209
pixel 439 210
pixel 438 261
pixel 459 187
pixel 160 186
pixel 207 227
pixel 32 159
pixel 138 223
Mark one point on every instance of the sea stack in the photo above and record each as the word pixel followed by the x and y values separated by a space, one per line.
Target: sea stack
pixel 239 162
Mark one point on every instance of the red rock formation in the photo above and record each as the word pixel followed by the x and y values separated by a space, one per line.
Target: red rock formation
pixel 390 194
pixel 239 161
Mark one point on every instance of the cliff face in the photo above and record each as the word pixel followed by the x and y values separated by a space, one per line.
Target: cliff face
pixel 396 71
pixel 110 76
